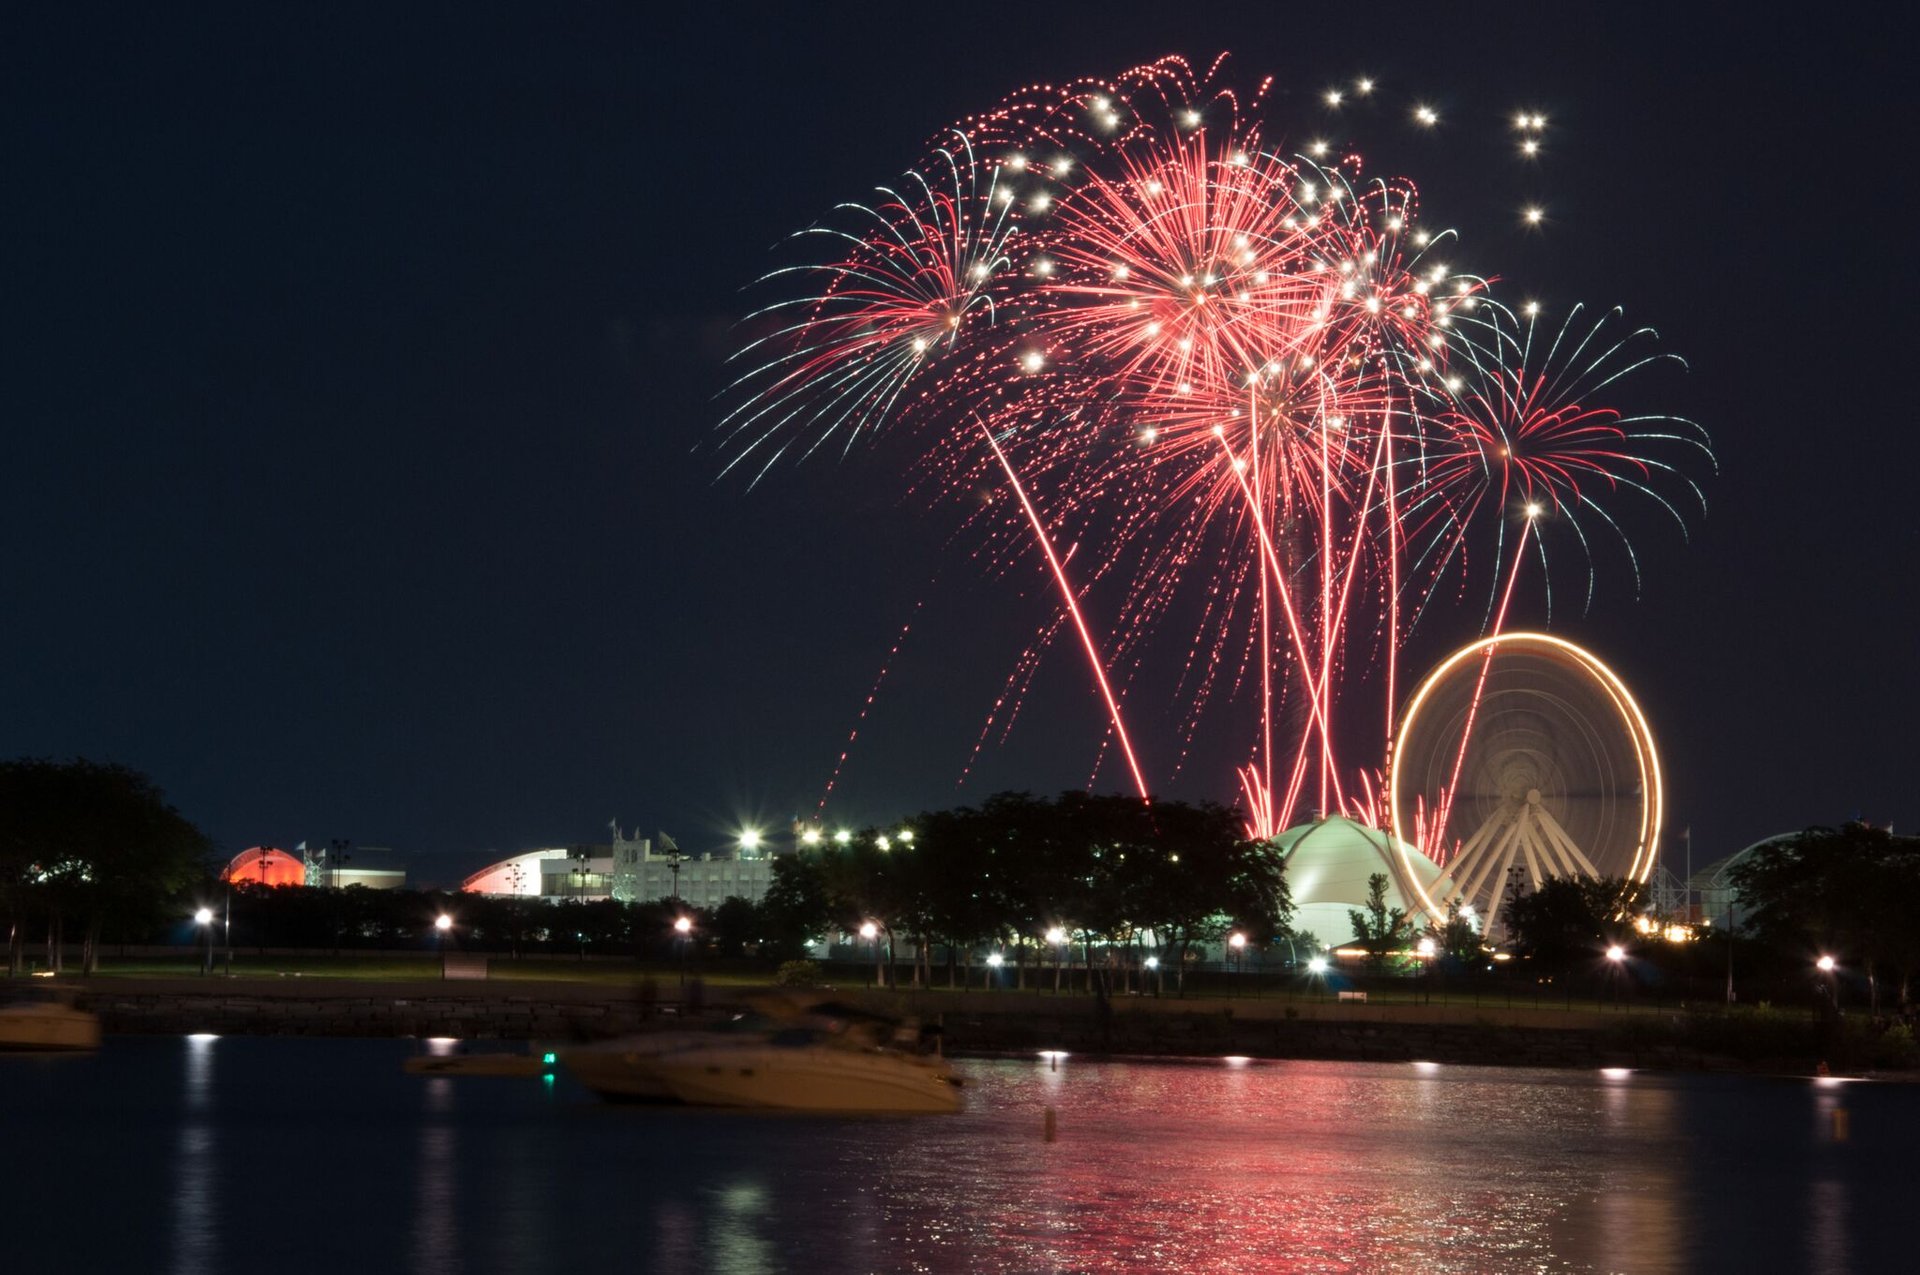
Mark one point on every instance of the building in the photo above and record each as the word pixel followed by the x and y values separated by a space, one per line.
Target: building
pixel 556 874
pixel 266 865
pixel 642 874
pixel 628 871
pixel 1329 865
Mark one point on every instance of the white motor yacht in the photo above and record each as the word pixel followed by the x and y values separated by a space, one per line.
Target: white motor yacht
pixel 46 1018
pixel 787 1053
pixel 808 1069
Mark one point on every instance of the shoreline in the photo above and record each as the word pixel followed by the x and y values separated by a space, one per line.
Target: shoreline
pixel 1003 1023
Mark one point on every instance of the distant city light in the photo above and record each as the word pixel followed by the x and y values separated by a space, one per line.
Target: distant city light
pixel 683 924
pixel 749 838
pixel 203 917
pixel 869 931
pixel 443 923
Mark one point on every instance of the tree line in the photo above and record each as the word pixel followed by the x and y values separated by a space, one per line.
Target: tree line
pixel 91 845
pixel 1097 872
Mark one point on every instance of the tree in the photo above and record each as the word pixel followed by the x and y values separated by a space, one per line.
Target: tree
pixel 1381 930
pixel 92 841
pixel 1851 892
pixel 1570 920
pixel 795 909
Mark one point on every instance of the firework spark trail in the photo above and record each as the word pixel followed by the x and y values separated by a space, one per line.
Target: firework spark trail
pixel 1438 848
pixel 866 706
pixel 1118 283
pixel 1073 606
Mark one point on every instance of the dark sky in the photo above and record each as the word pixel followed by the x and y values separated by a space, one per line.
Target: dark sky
pixel 356 361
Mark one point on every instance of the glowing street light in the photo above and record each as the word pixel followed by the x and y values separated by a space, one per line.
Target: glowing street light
pixel 871 933
pixel 1058 937
pixel 1616 954
pixel 1826 964
pixel 1317 965
pixel 1238 942
pixel 443 923
pixel 994 962
pixel 811 837
pixel 682 927
pixel 749 839
pixel 204 919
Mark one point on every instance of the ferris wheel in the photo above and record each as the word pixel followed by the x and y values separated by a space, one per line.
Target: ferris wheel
pixel 1522 755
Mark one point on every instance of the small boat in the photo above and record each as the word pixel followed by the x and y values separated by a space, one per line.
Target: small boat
pixel 621 1069
pixel 786 1056
pixel 42 1018
pixel 806 1069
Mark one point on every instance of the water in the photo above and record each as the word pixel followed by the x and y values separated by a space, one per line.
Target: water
pixel 287 1155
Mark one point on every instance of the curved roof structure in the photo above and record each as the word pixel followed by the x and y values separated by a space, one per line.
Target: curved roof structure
pixel 519 875
pixel 1328 866
pixel 266 865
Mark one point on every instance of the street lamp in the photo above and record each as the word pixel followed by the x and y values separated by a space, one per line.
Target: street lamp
pixel 682 927
pixel 1827 965
pixel 1153 968
pixel 1057 937
pixel 749 839
pixel 1615 955
pixel 994 961
pixel 871 933
pixel 204 919
pixel 1238 942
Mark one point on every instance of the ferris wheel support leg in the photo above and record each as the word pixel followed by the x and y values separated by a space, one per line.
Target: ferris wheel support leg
pixel 1565 843
pixel 1501 859
pixel 1461 866
pixel 1535 853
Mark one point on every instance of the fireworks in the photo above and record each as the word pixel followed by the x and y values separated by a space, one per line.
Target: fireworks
pixel 1273 424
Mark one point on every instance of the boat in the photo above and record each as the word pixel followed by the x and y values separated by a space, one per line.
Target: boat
pixel 45 1018
pixel 782 1054
pixel 808 1069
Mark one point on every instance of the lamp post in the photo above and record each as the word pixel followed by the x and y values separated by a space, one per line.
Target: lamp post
pixel 1316 971
pixel 1830 986
pixel 204 919
pixel 1615 956
pixel 682 927
pixel 1238 943
pixel 1058 938
pixel 1153 968
pixel 994 961
pixel 871 933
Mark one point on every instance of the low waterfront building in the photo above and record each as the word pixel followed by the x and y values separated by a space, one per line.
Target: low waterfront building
pixel 630 870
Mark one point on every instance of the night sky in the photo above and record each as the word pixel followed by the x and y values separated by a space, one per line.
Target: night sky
pixel 360 373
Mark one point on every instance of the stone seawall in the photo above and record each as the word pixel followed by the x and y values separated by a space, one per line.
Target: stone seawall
pixel 972 1023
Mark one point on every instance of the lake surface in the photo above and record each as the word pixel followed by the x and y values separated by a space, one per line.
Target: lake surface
pixel 287 1155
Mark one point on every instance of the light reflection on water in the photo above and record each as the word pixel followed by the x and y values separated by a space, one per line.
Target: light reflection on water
pixel 245 1154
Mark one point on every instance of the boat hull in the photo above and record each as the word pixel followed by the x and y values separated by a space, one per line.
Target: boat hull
pixel 821 1079
pixel 44 1027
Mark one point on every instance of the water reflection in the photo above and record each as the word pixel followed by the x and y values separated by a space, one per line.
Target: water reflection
pixel 436 1229
pixel 196 1239
pixel 1214 1165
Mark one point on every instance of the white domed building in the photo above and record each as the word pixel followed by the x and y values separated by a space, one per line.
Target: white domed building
pixel 1328 867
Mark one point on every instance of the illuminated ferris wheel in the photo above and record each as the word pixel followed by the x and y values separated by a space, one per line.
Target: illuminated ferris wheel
pixel 1523 755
